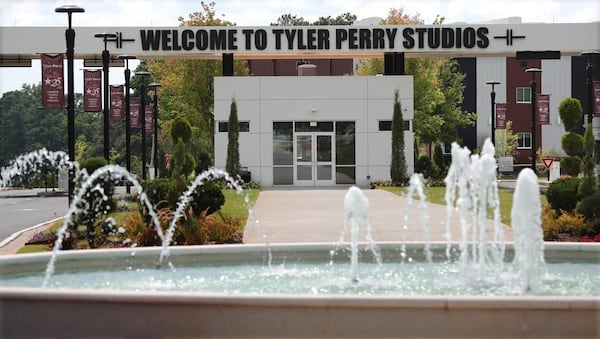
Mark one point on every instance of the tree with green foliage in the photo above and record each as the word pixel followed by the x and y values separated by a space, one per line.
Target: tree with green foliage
pixel 187 86
pixel 398 171
pixel 232 165
pixel 290 20
pixel 24 127
pixel 506 141
pixel 294 20
pixel 438 89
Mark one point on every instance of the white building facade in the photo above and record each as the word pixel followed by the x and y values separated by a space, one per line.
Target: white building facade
pixel 314 131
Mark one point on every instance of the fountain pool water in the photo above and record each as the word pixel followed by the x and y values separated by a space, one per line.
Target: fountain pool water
pixel 455 289
pixel 228 290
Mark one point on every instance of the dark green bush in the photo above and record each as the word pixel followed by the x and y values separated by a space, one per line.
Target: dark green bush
pixel 204 162
pixel 159 190
pixel 424 166
pixel 563 194
pixel 571 166
pixel 590 207
pixel 572 143
pixel 205 196
pixel 92 164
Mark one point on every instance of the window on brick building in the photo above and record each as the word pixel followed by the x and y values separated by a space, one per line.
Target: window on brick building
pixel 523 95
pixel 524 140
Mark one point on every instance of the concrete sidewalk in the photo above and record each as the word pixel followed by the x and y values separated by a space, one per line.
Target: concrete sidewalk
pixel 317 215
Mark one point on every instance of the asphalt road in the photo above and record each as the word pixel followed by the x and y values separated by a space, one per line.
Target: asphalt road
pixel 19 213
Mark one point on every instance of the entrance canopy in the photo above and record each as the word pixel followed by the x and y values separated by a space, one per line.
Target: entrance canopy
pixel 279 42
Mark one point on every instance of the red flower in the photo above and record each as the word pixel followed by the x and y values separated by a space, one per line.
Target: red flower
pixel 585 238
pixel 597 238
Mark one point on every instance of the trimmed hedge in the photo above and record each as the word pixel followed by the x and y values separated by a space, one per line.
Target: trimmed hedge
pixel 563 194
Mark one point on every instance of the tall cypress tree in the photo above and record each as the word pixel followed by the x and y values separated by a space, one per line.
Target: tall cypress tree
pixel 398 166
pixel 233 166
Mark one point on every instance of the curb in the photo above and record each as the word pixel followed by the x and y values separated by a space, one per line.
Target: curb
pixel 16 235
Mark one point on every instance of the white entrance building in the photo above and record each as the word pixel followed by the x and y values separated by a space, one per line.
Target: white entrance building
pixel 314 131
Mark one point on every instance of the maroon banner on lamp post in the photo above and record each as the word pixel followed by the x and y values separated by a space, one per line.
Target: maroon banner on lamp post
pixel 53 93
pixel 92 90
pixel 134 109
pixel 500 116
pixel 543 107
pixel 597 99
pixel 149 119
pixel 117 101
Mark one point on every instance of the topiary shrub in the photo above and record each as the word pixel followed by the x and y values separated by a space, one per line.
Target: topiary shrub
pixel 207 196
pixel 181 128
pixel 570 113
pixel 572 143
pixel 563 194
pixel 571 166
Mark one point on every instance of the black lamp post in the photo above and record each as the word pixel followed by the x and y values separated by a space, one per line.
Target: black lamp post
pixel 105 60
pixel 143 75
pixel 70 38
pixel 493 100
pixel 589 81
pixel 127 114
pixel 154 86
pixel 533 72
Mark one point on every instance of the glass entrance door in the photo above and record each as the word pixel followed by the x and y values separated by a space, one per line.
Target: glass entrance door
pixel 314 159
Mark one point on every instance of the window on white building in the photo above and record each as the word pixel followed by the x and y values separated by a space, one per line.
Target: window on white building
pixel 243 126
pixel 386 125
pixel 524 140
pixel 523 95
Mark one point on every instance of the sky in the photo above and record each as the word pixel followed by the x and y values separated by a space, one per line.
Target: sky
pixel 149 13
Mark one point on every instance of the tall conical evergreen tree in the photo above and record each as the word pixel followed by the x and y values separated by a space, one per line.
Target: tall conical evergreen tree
pixel 233 166
pixel 398 166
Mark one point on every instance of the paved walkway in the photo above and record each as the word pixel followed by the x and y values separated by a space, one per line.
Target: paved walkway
pixel 317 215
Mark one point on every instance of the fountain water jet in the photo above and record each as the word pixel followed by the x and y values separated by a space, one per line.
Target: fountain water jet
pixel 356 212
pixel 416 186
pixel 29 163
pixel 529 238
pixel 471 186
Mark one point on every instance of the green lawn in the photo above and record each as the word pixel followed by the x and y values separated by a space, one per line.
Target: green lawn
pixel 235 206
pixel 436 195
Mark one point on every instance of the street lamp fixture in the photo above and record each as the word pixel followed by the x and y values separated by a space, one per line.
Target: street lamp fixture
pixel 533 72
pixel 127 57
pixel 493 101
pixel 154 86
pixel 70 39
pixel 589 81
pixel 143 75
pixel 105 60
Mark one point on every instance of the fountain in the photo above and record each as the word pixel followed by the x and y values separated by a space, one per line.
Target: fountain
pixel 454 289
